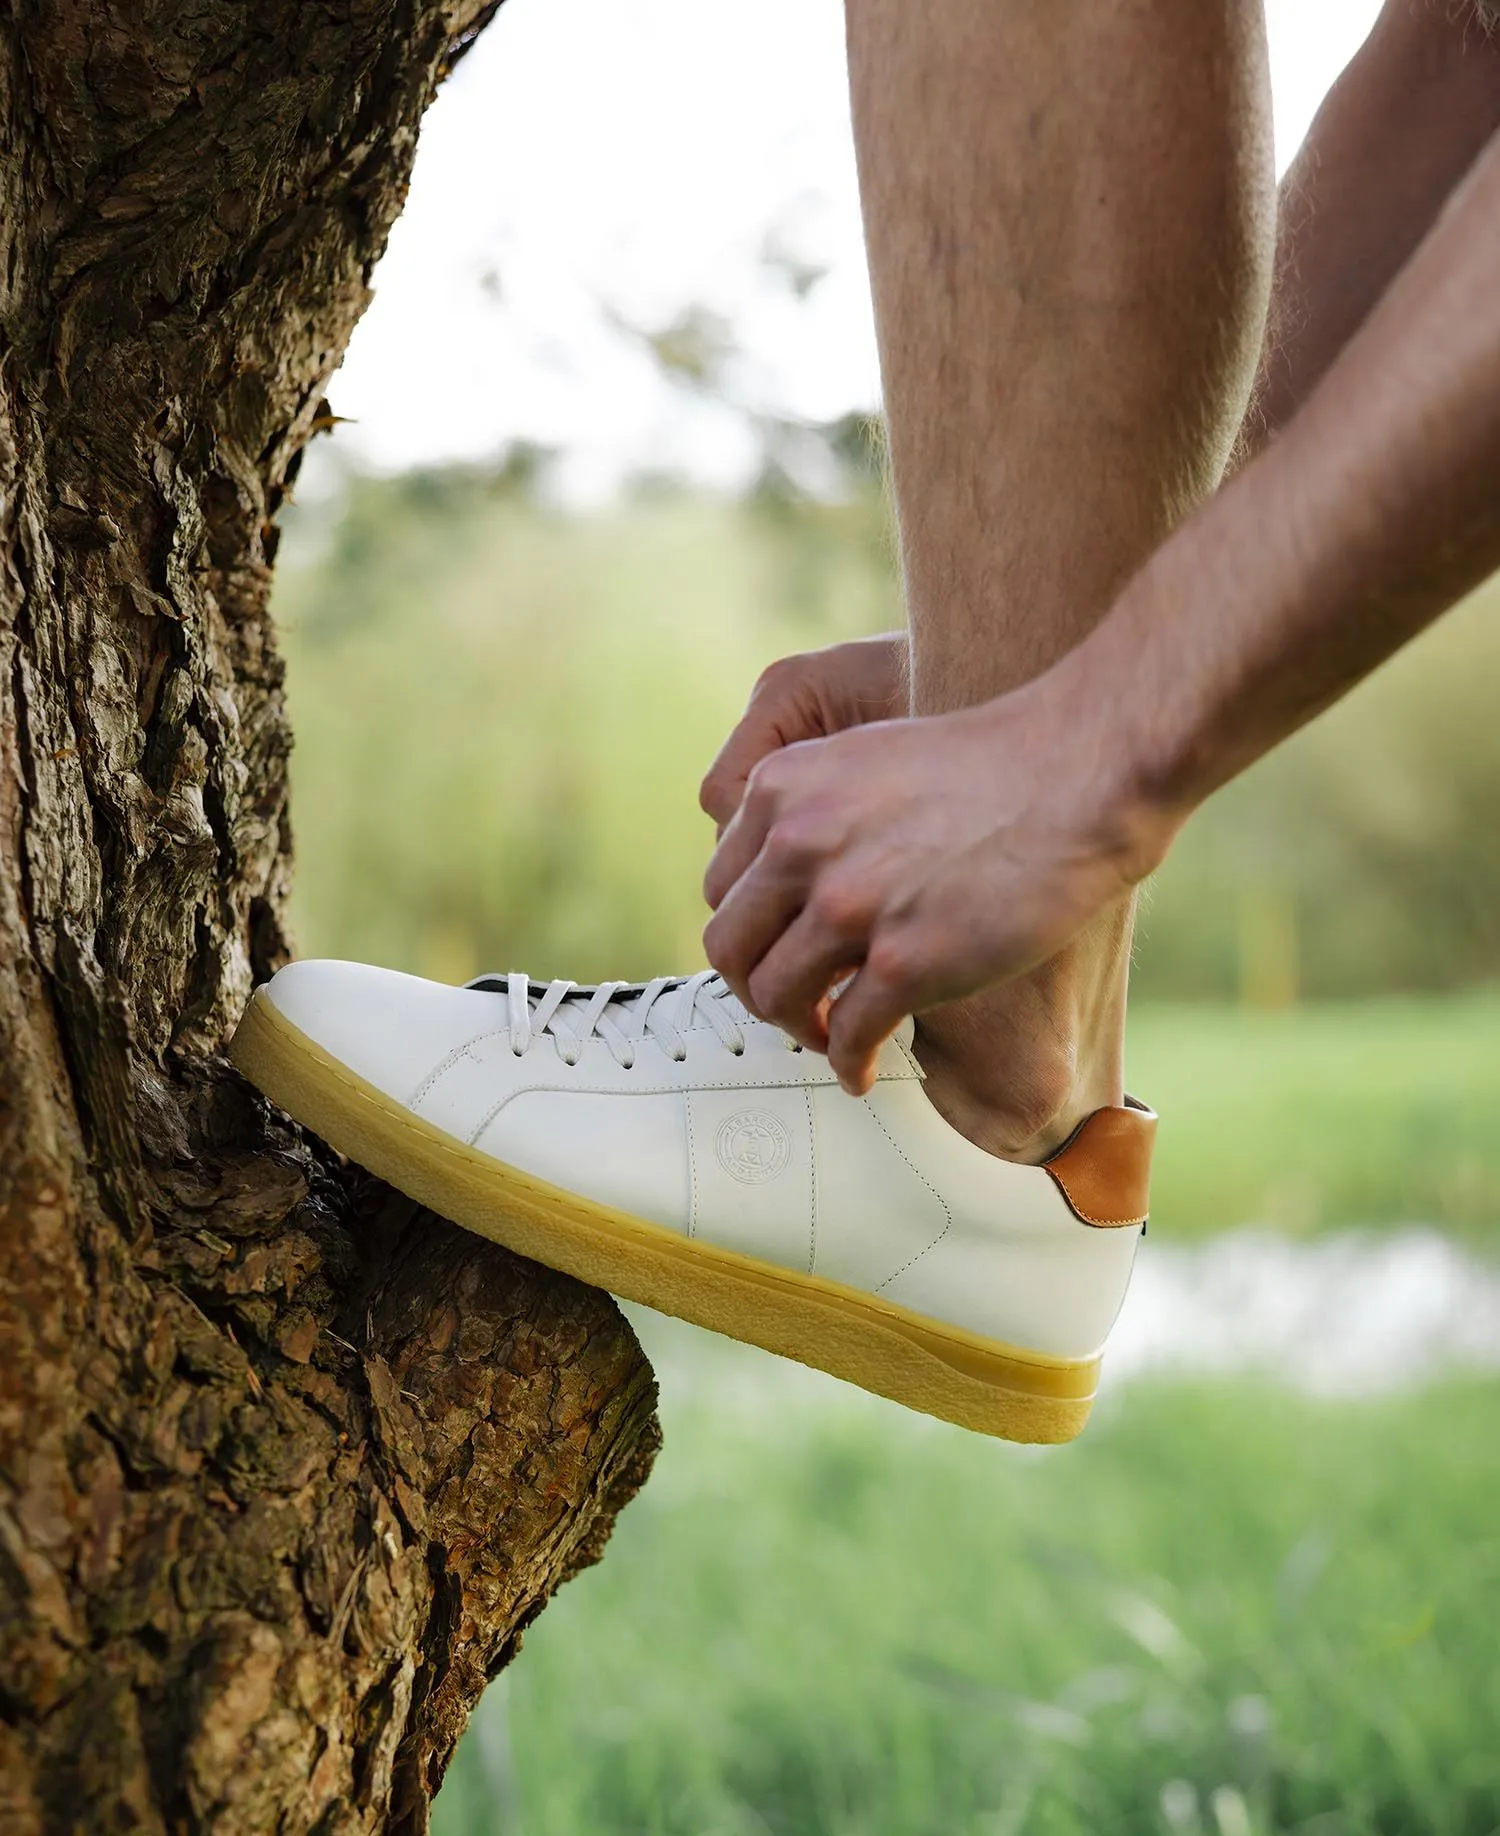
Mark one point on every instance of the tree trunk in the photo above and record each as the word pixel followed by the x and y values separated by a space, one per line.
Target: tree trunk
pixel 285 1466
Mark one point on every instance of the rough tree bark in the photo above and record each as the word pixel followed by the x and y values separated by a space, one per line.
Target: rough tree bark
pixel 284 1469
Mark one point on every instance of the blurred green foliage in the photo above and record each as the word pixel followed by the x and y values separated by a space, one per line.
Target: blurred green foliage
pixel 1369 842
pixel 503 712
pixel 1325 1115
pixel 1227 1611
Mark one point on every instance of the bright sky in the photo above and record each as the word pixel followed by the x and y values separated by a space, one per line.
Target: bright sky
pixel 591 160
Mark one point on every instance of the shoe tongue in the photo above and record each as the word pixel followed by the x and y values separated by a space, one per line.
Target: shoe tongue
pixel 496 981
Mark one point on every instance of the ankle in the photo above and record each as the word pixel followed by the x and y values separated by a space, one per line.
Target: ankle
pixel 1018 1068
pixel 1025 1118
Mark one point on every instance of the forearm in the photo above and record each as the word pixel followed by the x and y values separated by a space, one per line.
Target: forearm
pixel 1376 508
pixel 1394 137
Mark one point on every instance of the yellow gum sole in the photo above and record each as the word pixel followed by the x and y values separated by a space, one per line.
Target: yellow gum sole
pixel 992 1388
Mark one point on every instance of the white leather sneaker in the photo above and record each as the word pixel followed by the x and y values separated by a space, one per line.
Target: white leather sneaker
pixel 655 1140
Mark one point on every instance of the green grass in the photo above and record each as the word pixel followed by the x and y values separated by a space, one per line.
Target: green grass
pixel 1376 1112
pixel 1225 1606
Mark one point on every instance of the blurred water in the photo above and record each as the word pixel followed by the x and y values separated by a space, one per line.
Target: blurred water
pixel 1354 1313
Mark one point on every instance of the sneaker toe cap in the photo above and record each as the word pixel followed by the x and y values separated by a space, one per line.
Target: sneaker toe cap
pixel 392 1029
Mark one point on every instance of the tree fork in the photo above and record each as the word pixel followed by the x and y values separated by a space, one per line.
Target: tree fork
pixel 285 1465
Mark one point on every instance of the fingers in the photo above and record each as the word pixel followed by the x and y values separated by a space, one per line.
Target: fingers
pixel 864 1016
pixel 782 961
pixel 790 983
pixel 788 933
pixel 807 696
pixel 723 786
pixel 798 882
pixel 760 826
pixel 759 905
pixel 739 846
pixel 760 938
pixel 780 713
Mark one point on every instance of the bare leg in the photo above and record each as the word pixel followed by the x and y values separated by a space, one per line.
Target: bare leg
pixel 1069 212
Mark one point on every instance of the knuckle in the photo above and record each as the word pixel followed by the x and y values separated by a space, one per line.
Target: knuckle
pixel 769 992
pixel 716 796
pixel 788 846
pixel 762 788
pixel 718 946
pixel 769 779
pixel 840 906
pixel 892 962
pixel 776 676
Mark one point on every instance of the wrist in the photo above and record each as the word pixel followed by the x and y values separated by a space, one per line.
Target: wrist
pixel 1123 771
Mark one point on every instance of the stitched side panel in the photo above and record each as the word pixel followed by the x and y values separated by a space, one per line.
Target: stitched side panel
pixel 947 1214
pixel 812 1142
pixel 751 1158
pixel 692 1159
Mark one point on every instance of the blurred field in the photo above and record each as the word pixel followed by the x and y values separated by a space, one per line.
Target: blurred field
pixel 1225 1610
pixel 1334 1113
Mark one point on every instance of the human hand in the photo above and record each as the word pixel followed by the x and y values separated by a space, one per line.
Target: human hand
pixel 930 857
pixel 808 696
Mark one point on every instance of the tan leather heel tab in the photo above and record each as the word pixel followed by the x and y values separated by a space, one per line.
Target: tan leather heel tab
pixel 1103 1169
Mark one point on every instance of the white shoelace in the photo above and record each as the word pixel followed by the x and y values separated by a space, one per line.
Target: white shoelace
pixel 622 1014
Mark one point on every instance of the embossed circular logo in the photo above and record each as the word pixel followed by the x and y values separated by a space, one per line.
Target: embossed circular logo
pixel 753 1146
